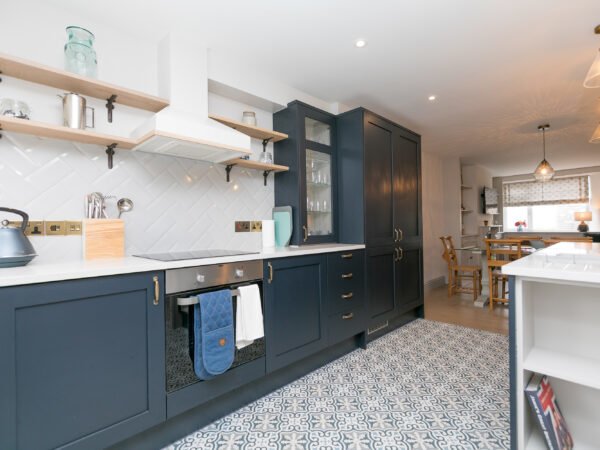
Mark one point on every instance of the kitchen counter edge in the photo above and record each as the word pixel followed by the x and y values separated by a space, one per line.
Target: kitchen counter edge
pixel 44 272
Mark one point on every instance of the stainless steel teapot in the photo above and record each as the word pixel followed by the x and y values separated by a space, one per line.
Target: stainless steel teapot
pixel 15 248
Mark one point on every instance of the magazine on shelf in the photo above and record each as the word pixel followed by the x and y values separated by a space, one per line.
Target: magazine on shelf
pixel 545 407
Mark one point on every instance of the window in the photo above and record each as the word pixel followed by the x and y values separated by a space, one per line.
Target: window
pixel 548 206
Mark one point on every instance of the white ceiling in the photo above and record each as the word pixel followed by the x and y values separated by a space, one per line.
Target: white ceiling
pixel 499 68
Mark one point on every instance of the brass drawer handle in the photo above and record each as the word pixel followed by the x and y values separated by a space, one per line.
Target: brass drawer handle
pixel 347 316
pixel 348 296
pixel 396 235
pixel 347 276
pixel 156 290
pixel 347 256
pixel 270 279
pixel 305 233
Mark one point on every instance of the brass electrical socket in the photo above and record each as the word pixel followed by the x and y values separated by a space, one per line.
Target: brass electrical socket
pixel 34 227
pixel 256 226
pixel 73 228
pixel 242 226
pixel 55 228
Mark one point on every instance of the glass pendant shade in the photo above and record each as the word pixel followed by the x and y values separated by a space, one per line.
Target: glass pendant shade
pixel 543 171
pixel 596 136
pixel 592 79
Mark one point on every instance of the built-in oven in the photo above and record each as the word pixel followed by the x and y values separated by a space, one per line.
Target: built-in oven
pixel 182 287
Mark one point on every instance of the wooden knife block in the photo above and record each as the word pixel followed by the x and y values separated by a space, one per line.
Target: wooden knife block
pixel 103 238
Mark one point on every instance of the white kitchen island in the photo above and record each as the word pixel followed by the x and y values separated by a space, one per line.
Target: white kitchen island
pixel 555 330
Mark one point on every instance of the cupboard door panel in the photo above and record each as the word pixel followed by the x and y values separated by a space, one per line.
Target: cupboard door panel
pixel 380 282
pixel 295 300
pixel 407 211
pixel 378 184
pixel 409 280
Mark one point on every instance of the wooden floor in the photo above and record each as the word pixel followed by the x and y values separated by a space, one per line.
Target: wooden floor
pixel 459 310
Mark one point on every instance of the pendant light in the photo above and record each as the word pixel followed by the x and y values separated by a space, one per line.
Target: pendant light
pixel 592 79
pixel 544 170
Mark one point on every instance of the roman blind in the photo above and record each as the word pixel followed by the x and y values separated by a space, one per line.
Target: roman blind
pixel 558 191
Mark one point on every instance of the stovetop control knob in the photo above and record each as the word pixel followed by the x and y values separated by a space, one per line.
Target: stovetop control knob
pixel 239 273
pixel 200 278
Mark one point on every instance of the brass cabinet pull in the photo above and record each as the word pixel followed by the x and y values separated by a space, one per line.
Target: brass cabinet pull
pixel 396 238
pixel 270 279
pixel 400 235
pixel 400 254
pixel 348 295
pixel 156 290
pixel 396 255
pixel 347 256
pixel 305 233
pixel 347 316
pixel 346 276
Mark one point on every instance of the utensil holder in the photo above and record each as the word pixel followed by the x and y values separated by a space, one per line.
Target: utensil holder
pixel 103 238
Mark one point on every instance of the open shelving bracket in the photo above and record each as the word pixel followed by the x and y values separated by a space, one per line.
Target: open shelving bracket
pixel 265 175
pixel 110 152
pixel 228 168
pixel 110 105
pixel 265 142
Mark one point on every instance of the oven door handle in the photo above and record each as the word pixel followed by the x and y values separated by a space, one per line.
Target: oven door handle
pixel 188 301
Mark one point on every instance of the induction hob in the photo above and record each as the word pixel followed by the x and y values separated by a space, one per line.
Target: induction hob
pixel 193 254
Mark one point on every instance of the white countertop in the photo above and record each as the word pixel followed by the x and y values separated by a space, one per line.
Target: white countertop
pixel 42 272
pixel 568 261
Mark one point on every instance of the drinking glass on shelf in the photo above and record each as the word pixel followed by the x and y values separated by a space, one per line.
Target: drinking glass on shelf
pixel 325 178
pixel 311 205
pixel 324 205
pixel 317 206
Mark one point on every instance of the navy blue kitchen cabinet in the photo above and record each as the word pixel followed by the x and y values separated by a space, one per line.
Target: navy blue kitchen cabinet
pixel 310 186
pixel 379 201
pixel 295 316
pixel 82 361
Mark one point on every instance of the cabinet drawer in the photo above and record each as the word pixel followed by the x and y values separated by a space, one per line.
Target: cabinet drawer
pixel 346 296
pixel 345 324
pixel 346 262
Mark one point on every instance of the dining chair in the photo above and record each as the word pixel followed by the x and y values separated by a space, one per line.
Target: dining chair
pixel 500 252
pixel 457 272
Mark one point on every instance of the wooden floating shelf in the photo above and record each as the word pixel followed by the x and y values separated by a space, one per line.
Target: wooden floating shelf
pixel 469 235
pixel 63 133
pixel 250 130
pixel 67 81
pixel 466 187
pixel 465 211
pixel 255 165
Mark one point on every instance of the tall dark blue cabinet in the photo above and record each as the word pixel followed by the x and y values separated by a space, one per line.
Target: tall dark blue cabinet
pixel 310 186
pixel 379 201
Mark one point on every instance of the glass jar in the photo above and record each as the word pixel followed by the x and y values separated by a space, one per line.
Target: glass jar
pixel 80 56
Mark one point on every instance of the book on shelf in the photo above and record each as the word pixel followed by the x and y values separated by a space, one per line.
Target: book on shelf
pixel 550 419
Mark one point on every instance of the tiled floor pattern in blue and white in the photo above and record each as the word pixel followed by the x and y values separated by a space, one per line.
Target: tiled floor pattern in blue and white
pixel 427 385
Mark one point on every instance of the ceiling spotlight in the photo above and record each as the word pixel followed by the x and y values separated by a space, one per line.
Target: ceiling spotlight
pixel 431 98
pixel 360 43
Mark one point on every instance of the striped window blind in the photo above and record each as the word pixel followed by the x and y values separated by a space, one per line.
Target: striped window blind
pixel 559 191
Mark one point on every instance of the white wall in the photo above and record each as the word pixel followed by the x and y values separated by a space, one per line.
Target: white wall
pixel 477 177
pixel 441 206
pixel 179 204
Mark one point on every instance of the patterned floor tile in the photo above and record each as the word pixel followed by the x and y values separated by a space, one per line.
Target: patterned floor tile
pixel 424 386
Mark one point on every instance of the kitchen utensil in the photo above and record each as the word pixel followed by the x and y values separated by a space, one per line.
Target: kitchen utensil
pixel 80 56
pixel 14 108
pixel 124 205
pixel 249 118
pixel 103 238
pixel 282 215
pixel 74 111
pixel 15 248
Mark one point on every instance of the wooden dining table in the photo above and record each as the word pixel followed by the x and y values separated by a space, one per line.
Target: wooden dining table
pixel 483 298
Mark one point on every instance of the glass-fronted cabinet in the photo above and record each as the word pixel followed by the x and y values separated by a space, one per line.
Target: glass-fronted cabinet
pixel 310 185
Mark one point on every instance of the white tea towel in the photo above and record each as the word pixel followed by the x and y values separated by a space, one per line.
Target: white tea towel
pixel 248 316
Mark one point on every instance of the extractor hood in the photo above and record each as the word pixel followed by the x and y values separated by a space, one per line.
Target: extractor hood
pixel 184 128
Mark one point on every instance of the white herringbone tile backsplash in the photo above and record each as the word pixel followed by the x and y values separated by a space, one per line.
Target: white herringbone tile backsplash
pixel 180 204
